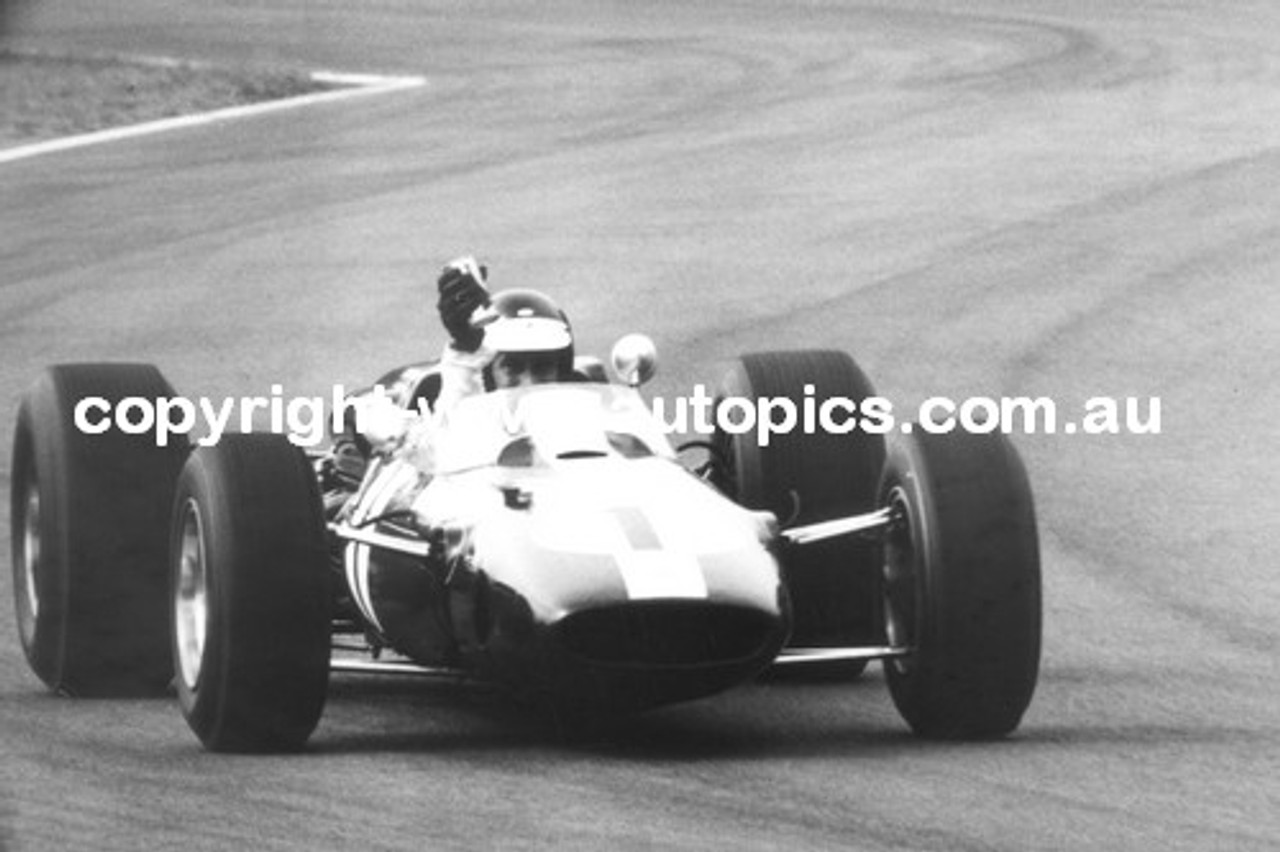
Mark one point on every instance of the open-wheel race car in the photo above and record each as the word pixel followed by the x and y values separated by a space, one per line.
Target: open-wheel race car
pixel 556 545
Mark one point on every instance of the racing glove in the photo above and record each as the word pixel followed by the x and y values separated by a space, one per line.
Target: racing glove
pixel 462 291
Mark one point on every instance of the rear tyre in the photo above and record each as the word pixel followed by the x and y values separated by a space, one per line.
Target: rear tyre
pixel 251 596
pixel 961 584
pixel 804 478
pixel 89 520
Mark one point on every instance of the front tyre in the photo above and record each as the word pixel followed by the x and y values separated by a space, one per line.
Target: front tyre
pixel 89 530
pixel 250 594
pixel 961 584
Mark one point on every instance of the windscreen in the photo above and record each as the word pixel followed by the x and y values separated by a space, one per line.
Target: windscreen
pixel 544 424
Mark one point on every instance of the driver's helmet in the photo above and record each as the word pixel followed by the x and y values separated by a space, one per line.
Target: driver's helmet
pixel 531 339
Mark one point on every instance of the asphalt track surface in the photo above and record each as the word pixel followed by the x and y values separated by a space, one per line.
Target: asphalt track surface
pixel 1047 198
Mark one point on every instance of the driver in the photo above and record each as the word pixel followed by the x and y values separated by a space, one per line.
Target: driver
pixel 512 339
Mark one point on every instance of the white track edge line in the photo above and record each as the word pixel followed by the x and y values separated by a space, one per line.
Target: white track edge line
pixel 362 84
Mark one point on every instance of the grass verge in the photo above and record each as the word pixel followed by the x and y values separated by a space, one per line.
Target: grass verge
pixel 46 96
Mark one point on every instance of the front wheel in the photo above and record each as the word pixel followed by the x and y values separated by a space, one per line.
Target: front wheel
pixel 961 573
pixel 89 511
pixel 251 597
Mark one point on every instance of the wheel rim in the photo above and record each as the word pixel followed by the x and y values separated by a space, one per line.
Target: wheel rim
pixel 27 592
pixel 900 568
pixel 191 598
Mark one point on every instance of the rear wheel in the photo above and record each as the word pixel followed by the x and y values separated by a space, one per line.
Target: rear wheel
pixel 808 475
pixel 961 584
pixel 89 531
pixel 252 611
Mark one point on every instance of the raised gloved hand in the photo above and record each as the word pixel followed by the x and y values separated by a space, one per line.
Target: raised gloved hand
pixel 462 291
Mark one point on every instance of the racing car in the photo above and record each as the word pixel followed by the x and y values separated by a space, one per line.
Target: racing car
pixel 556 545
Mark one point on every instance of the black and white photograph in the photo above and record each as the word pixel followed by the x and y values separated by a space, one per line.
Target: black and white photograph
pixel 670 424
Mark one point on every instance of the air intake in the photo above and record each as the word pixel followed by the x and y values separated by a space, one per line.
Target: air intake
pixel 667 633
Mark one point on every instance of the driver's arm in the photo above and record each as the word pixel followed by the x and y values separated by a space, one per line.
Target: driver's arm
pixel 462 292
pixel 461 376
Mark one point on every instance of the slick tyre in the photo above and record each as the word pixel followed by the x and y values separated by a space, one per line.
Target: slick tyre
pixel 806 475
pixel 961 573
pixel 89 532
pixel 251 597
